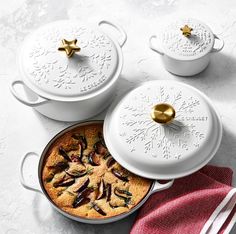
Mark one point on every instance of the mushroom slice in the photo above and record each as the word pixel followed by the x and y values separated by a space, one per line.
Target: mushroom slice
pixel 94 159
pixel 101 190
pixel 98 209
pixel 63 153
pixel 120 175
pixel 111 161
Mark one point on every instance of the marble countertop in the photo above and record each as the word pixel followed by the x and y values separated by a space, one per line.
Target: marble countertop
pixel 23 130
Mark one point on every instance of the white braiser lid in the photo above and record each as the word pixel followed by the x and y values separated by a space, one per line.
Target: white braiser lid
pixel 51 74
pixel 163 151
pixel 197 41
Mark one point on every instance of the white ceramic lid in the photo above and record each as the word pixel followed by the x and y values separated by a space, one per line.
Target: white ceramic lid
pixel 158 151
pixel 51 74
pixel 181 47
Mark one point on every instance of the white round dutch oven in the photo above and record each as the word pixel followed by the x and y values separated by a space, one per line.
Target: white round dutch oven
pixel 69 70
pixel 161 130
pixel 185 46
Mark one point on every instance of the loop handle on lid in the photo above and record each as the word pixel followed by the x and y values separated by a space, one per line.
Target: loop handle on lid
pixel 123 34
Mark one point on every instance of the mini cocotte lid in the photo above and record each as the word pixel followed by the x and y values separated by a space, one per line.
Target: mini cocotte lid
pixel 163 130
pixel 67 60
pixel 186 39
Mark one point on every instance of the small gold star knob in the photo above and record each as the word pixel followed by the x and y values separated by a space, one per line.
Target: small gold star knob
pixel 163 113
pixel 186 31
pixel 69 47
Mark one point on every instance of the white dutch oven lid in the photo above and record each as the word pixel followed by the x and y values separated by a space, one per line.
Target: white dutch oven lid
pixel 187 39
pixel 53 74
pixel 146 147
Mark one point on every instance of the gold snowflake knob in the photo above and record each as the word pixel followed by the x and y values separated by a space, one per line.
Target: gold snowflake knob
pixel 186 30
pixel 163 113
pixel 69 47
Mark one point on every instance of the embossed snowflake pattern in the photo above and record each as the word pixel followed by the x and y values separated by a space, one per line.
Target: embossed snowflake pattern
pixel 99 41
pixel 46 59
pixel 42 71
pixel 166 138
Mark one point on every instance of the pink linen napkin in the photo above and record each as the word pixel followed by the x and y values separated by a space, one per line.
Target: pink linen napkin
pixel 203 202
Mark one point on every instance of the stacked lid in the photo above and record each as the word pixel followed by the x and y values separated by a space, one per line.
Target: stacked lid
pixel 54 74
pixel 163 130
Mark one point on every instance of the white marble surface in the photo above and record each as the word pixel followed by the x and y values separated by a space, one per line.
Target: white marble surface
pixel 23 130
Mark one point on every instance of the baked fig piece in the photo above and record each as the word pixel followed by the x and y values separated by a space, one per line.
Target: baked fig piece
pixel 93 159
pixel 83 186
pixel 122 191
pixel 101 190
pixel 75 158
pixel 107 155
pixel 120 175
pixel 82 198
pixel 118 193
pixel 110 162
pixel 98 209
pixel 59 167
pixel 79 201
pixel 75 173
pixel 100 148
pixel 82 140
pixel 63 153
pixel 65 182
pixel 116 206
pixel 108 192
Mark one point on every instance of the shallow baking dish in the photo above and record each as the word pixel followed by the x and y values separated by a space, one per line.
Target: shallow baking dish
pixel 155 187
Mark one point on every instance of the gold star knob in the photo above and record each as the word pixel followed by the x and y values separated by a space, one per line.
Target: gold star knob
pixel 163 113
pixel 69 47
pixel 186 31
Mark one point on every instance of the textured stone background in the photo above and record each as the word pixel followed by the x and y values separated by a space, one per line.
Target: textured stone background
pixel 23 130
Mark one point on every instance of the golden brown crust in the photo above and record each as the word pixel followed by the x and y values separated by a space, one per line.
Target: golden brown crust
pixel 57 170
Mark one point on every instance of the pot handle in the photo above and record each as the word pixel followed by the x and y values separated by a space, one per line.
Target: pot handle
pixel 40 100
pixel 123 34
pixel 152 46
pixel 159 187
pixel 22 178
pixel 221 44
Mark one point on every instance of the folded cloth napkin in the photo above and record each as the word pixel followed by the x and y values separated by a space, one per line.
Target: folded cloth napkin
pixel 203 202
